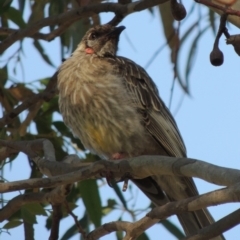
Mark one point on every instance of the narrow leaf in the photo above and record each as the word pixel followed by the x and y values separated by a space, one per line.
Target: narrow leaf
pixel 172 229
pixel 91 199
pixel 73 230
pixel 16 16
pixel 4 5
pixel 36 209
pixel 168 26
pixel 192 53
pixel 12 224
pixel 40 49
pixel 119 194
pixel 27 215
pixel 212 16
pixel 143 236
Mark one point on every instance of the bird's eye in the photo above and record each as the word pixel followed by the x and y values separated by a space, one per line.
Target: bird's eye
pixel 93 36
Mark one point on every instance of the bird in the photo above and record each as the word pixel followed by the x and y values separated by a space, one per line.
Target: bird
pixel 113 106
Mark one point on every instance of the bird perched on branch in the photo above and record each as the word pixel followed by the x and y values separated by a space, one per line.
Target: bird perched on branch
pixel 114 107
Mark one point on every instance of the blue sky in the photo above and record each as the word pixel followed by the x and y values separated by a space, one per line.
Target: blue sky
pixel 208 119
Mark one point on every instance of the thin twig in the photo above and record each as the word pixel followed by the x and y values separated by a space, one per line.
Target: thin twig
pixel 77 14
pixel 80 229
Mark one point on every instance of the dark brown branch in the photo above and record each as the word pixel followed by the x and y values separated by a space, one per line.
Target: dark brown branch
pixel 77 14
pixel 56 218
pixel 80 229
pixel 8 31
pixel 28 230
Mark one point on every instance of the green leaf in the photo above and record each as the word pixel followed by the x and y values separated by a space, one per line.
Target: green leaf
pixel 84 222
pixel 40 49
pixel 61 127
pixel 16 16
pixel 143 236
pixel 27 215
pixel 188 32
pixel 36 209
pixel 119 235
pixel 185 36
pixel 92 201
pixel 151 10
pixel 119 194
pixel 37 12
pixel 51 106
pixel 65 131
pixel 192 53
pixel 5 5
pixel 212 15
pixel 168 27
pixel 172 229
pixel 12 224
pixel 55 8
pixel 71 38
pixel 110 206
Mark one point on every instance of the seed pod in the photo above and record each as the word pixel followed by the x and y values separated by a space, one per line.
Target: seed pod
pixel 178 10
pixel 216 56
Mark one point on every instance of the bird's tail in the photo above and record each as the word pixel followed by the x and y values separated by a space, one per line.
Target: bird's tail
pixel 194 221
pixel 191 222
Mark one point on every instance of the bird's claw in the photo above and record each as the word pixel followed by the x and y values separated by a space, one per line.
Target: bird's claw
pixel 110 180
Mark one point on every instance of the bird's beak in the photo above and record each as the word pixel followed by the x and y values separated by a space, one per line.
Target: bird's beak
pixel 116 32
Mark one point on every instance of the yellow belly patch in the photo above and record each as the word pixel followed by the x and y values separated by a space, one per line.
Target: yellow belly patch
pixel 101 138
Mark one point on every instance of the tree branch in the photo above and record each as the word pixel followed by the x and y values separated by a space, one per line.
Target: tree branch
pixel 137 168
pixel 77 14
pixel 225 195
pixel 222 8
pixel 217 228
pixel 46 95
pixel 133 230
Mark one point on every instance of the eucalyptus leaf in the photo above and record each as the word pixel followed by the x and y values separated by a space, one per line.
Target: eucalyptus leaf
pixel 92 201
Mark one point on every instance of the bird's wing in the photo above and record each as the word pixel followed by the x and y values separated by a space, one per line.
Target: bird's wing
pixel 156 117
pixel 160 124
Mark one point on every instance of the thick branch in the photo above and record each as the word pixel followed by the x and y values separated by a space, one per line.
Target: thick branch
pixel 137 168
pixel 31 148
pixel 79 13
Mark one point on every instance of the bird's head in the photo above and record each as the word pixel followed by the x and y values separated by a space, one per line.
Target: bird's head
pixel 101 40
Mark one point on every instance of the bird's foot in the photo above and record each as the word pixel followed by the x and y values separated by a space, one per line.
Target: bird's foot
pixel 109 178
pixel 118 156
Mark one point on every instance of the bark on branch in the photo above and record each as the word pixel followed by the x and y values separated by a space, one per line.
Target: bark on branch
pixel 72 170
